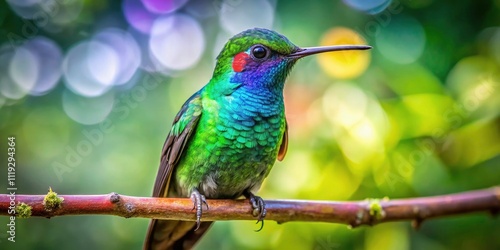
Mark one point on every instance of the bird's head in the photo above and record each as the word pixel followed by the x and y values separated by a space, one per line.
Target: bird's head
pixel 262 58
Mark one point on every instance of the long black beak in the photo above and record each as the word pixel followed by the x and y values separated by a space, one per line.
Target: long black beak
pixel 316 50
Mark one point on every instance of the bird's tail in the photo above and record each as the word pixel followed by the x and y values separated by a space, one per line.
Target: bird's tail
pixel 171 234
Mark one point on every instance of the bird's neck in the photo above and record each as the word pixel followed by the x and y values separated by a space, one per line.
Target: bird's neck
pixel 246 97
pixel 267 83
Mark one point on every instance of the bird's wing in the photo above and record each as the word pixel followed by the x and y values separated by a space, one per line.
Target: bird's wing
pixel 182 128
pixel 284 144
pixel 166 234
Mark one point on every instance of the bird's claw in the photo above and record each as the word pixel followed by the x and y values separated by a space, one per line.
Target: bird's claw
pixel 259 208
pixel 198 201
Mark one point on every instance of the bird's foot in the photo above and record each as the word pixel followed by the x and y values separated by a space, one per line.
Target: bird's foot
pixel 198 201
pixel 258 206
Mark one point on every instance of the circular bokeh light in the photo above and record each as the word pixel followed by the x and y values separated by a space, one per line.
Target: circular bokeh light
pixel 126 48
pixel 402 40
pixel 86 110
pixel 343 64
pixel 61 12
pixel 46 13
pixel 201 9
pixel 9 88
pixel 49 58
pixel 344 104
pixel 138 16
pixel 370 7
pixel 90 68
pixel 163 6
pixel 24 68
pixel 177 41
pixel 102 62
pixel 236 16
pixel 148 62
pixel 25 8
pixel 469 73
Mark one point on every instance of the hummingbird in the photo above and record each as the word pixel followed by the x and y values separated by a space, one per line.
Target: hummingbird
pixel 227 136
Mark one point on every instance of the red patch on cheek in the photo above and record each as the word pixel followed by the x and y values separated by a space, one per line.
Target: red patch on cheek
pixel 239 61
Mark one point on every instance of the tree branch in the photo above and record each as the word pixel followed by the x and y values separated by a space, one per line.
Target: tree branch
pixel 354 213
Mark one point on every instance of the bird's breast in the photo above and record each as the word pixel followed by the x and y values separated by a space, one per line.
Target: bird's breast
pixel 234 147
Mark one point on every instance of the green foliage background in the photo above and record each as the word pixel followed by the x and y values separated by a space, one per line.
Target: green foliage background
pixel 436 130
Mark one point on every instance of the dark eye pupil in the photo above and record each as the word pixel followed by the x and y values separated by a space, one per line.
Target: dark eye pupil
pixel 259 52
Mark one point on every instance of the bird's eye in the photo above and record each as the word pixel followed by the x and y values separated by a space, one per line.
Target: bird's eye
pixel 259 52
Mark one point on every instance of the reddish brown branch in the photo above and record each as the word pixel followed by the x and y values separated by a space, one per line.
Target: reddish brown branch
pixel 354 213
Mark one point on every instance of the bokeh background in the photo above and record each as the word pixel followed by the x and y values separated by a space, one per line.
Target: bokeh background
pixel 89 89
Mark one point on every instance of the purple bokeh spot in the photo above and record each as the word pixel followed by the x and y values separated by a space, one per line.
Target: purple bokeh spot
pixel 163 6
pixel 138 16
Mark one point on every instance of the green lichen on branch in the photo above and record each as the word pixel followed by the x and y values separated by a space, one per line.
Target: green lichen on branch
pixel 51 201
pixel 23 210
pixel 375 208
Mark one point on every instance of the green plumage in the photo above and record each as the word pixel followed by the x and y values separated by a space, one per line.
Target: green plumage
pixel 232 149
pixel 227 136
pixel 240 122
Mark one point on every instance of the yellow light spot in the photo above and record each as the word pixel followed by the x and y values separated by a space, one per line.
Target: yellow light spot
pixel 343 64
